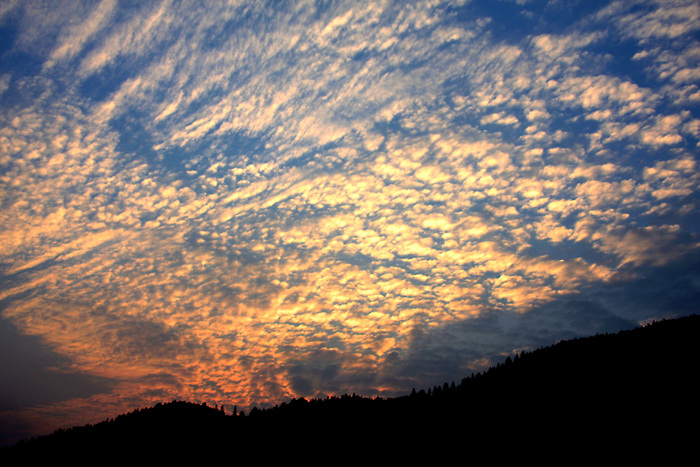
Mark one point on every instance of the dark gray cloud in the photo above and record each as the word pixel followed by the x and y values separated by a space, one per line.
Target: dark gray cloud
pixel 32 374
pixel 659 293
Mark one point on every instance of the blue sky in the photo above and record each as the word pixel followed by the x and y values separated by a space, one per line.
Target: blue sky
pixel 244 202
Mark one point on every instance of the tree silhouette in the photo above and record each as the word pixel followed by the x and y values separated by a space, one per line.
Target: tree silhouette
pixel 641 383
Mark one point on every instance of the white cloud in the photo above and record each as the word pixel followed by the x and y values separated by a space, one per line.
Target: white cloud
pixel 74 39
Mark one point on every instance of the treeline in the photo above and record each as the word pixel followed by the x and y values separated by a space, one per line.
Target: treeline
pixel 635 385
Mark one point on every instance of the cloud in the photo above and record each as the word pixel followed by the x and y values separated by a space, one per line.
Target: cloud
pixel 73 41
pixel 243 204
pixel 670 19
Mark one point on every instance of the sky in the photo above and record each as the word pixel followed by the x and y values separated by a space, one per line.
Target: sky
pixel 241 202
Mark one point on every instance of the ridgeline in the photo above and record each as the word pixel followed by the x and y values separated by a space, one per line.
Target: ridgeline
pixel 630 393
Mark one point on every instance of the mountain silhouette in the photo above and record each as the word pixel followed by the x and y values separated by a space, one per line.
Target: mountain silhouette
pixel 621 396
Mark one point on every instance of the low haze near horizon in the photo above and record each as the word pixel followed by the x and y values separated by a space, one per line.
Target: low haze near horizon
pixel 244 202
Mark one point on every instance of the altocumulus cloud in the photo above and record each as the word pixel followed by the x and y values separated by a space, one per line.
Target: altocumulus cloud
pixel 247 202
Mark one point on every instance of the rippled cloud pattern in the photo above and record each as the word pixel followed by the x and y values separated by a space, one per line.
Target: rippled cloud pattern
pixel 244 202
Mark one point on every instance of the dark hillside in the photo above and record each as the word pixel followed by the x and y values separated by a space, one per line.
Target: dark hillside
pixel 612 393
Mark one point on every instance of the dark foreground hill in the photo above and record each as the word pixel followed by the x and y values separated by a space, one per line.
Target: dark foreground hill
pixel 613 396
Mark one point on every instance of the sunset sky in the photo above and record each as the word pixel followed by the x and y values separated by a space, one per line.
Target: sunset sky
pixel 244 202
